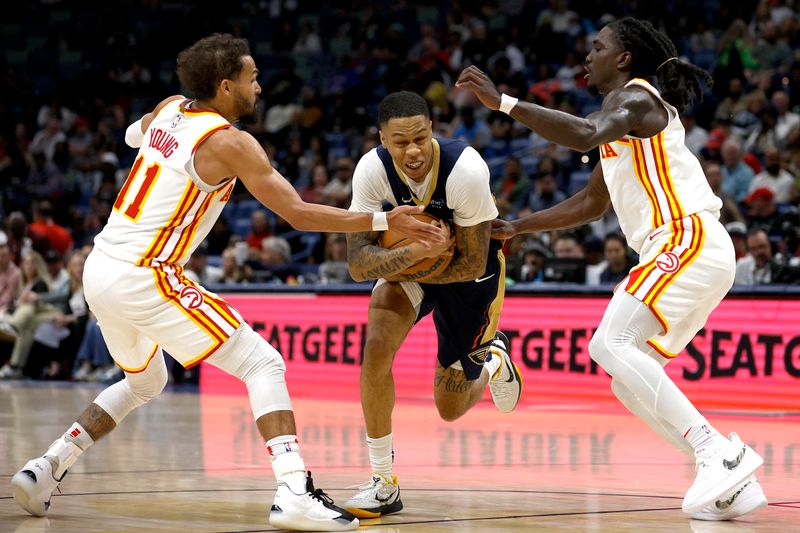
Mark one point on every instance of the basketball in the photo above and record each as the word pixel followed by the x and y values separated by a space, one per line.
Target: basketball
pixel 428 267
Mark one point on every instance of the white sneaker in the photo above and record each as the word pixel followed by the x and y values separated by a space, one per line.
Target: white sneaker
pixel 719 471
pixel 506 384
pixel 744 499
pixel 377 497
pixel 311 511
pixel 34 484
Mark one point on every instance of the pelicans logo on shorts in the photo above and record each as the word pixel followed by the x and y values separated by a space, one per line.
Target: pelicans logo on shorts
pixel 669 262
pixel 191 298
pixel 478 356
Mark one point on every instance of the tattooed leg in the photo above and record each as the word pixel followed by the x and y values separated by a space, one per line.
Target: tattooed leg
pixel 454 393
pixel 96 421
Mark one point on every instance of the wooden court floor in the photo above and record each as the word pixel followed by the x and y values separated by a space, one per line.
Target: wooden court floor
pixel 190 462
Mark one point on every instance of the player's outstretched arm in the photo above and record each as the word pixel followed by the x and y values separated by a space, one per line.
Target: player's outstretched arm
pixel 622 112
pixel 584 206
pixel 245 158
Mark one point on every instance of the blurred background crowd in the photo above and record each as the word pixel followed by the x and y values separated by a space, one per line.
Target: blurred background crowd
pixel 73 76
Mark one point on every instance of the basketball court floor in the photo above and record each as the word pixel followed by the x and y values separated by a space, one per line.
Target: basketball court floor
pixel 191 462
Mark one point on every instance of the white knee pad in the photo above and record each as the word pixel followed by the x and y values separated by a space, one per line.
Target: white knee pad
pixel 250 358
pixel 135 390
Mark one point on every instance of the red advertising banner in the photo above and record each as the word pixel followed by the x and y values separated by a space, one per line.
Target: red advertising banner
pixel 746 359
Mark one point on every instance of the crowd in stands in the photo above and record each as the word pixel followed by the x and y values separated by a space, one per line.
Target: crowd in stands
pixel 67 95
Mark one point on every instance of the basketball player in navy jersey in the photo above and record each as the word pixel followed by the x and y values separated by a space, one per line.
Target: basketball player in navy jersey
pixel 451 180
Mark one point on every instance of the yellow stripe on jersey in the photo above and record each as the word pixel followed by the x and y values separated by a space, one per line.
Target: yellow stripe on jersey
pixel 218 304
pixel 144 366
pixel 198 316
pixel 640 169
pixel 188 198
pixel 187 234
pixel 687 258
pixel 662 168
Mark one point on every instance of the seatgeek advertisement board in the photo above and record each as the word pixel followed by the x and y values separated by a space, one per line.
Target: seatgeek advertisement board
pixel 746 359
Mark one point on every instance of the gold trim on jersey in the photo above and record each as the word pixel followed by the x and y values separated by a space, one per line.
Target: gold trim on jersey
pixel 493 313
pixel 660 350
pixel 144 366
pixel 216 303
pixel 662 169
pixel 189 197
pixel 188 233
pixel 434 179
pixel 189 111
pixel 198 316
pixel 207 134
pixel 643 175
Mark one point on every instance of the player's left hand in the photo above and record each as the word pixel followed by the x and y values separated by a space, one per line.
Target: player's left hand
pixel 479 83
pixel 502 229
pixel 401 220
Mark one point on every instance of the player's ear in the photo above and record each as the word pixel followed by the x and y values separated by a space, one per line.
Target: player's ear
pixel 624 60
pixel 225 85
pixel 383 141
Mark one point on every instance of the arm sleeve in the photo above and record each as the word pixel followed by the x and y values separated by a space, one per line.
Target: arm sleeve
pixel 468 193
pixel 134 134
pixel 370 186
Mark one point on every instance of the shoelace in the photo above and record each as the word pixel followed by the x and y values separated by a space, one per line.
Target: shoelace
pixel 317 494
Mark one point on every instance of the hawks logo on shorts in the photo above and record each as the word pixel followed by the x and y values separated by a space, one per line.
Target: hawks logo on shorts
pixel 191 297
pixel 669 262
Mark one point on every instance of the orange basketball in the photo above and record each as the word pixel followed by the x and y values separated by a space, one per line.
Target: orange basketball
pixel 425 269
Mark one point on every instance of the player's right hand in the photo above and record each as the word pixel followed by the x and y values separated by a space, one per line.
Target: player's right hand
pixel 502 229
pixel 478 82
pixel 400 219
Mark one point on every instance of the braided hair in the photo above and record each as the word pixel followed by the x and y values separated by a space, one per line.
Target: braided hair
pixel 654 54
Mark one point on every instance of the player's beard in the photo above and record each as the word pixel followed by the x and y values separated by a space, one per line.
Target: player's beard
pixel 593 90
pixel 244 109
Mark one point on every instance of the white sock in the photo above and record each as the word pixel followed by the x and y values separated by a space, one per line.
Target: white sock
pixel 381 456
pixel 701 434
pixel 493 363
pixel 287 464
pixel 67 448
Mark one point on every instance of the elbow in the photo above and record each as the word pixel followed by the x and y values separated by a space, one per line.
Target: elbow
pixel 356 274
pixel 296 219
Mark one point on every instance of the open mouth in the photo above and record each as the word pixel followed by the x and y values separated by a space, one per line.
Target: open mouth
pixel 416 165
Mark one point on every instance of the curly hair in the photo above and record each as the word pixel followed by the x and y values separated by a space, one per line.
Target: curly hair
pixel 400 105
pixel 653 54
pixel 202 66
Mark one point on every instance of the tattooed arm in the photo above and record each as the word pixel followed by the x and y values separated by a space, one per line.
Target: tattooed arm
pixel 366 260
pixel 472 251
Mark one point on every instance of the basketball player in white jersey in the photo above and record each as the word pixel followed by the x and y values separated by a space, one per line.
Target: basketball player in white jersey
pixel 188 162
pixel 670 217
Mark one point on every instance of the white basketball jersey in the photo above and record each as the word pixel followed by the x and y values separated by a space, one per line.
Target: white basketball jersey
pixel 164 211
pixel 656 180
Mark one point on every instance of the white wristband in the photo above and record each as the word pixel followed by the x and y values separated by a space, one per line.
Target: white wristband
pixel 507 103
pixel 134 134
pixel 379 221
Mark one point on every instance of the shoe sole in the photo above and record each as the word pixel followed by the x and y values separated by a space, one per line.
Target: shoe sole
pixel 300 522
pixel 751 462
pixel 745 507
pixel 22 496
pixel 393 507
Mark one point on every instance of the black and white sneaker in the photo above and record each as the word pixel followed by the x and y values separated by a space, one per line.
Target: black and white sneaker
pixel 506 384
pixel 311 511
pixel 719 470
pixel 376 497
